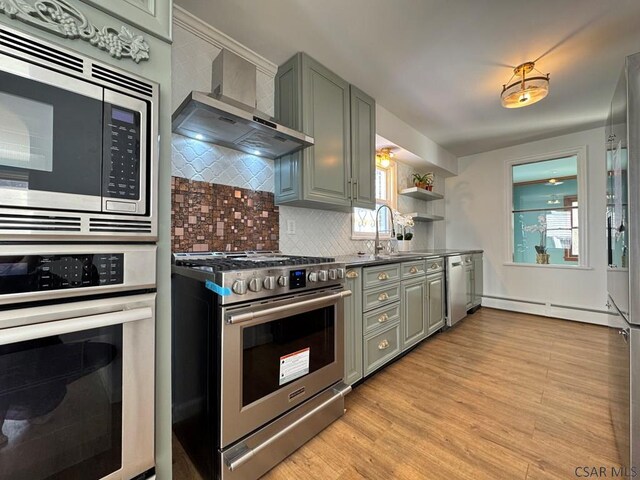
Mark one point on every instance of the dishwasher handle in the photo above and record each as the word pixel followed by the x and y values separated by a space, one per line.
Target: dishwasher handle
pixel 456 264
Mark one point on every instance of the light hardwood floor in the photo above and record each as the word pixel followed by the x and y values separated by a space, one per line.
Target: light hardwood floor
pixel 501 396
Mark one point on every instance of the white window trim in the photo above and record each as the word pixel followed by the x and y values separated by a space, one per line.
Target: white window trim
pixel 583 200
pixel 392 187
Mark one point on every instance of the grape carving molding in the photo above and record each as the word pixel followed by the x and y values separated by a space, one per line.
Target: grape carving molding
pixel 64 20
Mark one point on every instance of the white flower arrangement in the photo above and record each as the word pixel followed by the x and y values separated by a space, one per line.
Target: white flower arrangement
pixel 541 228
pixel 403 222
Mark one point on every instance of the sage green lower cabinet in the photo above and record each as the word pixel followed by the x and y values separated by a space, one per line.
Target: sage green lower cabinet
pixel 477 279
pixel 413 305
pixel 470 282
pixel 435 295
pixel 381 347
pixel 353 327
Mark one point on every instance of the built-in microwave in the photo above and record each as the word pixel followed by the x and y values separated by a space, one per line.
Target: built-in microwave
pixel 78 145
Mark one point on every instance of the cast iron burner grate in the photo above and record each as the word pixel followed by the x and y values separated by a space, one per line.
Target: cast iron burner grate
pixel 216 262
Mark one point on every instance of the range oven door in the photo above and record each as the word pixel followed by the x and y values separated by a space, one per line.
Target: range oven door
pixel 77 390
pixel 67 144
pixel 276 355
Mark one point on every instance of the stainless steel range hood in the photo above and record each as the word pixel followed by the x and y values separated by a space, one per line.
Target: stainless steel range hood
pixel 228 116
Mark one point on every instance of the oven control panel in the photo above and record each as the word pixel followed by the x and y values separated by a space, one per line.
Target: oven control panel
pixel 262 283
pixel 35 273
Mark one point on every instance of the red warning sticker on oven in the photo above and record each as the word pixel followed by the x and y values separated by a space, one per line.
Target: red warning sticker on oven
pixel 294 365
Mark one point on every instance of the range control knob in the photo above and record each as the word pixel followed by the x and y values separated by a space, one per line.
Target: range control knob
pixel 239 287
pixel 341 273
pixel 283 281
pixel 269 283
pixel 333 274
pixel 255 285
pixel 322 275
pixel 313 277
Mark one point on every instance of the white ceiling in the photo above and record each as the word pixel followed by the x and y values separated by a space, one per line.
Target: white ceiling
pixel 440 65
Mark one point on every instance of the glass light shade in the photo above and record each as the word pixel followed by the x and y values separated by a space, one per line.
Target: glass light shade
pixel 520 94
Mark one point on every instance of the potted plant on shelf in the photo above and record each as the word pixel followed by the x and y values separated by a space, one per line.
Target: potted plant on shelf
pixel 542 257
pixel 403 222
pixel 423 181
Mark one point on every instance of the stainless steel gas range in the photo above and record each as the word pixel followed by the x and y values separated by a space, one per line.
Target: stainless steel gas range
pixel 258 354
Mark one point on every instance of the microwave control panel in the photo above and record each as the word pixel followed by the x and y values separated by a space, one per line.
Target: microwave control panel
pixel 122 152
pixel 34 273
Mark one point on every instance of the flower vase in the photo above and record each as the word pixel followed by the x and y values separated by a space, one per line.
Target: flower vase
pixel 542 258
pixel 404 245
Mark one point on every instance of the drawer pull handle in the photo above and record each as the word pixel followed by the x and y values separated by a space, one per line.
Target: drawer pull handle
pixel 383 276
pixel 383 345
pixel 434 266
pixel 352 274
pixel 383 318
pixel 413 270
pixel 383 296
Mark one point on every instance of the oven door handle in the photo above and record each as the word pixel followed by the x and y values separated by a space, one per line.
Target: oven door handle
pixel 314 302
pixel 61 327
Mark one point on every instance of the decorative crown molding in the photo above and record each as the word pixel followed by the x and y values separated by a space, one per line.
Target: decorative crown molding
pixel 62 19
pixel 215 37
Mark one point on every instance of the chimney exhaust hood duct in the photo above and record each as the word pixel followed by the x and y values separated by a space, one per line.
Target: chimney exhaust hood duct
pixel 228 116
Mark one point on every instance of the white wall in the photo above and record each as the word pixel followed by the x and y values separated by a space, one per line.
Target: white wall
pixel 477 216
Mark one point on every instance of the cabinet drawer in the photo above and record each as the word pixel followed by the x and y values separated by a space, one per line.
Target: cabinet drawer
pixel 377 276
pixel 434 265
pixel 381 348
pixel 378 297
pixel 381 318
pixel 412 269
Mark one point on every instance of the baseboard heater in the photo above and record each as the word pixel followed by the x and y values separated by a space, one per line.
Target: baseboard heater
pixel 553 305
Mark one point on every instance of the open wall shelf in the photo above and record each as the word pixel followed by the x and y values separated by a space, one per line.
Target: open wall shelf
pixel 425 217
pixel 421 194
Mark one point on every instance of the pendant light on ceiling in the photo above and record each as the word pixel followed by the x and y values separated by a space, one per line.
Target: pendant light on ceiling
pixel 524 90
pixel 384 156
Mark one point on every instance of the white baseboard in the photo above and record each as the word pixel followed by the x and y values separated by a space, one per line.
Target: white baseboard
pixel 575 314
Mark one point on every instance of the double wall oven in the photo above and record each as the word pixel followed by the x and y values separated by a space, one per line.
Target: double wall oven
pixel 258 361
pixel 78 175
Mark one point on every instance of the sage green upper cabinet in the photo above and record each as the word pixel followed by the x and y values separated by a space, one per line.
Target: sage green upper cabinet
pixel 363 148
pixel 338 171
pixel 152 16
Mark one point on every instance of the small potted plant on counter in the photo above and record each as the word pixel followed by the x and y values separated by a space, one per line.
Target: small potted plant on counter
pixel 403 222
pixel 423 181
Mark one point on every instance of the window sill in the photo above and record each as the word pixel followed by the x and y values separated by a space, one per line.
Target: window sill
pixel 556 266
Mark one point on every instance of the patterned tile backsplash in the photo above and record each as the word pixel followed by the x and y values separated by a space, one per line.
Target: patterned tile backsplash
pixel 212 217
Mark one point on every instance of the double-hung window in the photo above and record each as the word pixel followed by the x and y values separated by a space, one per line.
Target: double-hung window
pixel 364 220
pixel 547 205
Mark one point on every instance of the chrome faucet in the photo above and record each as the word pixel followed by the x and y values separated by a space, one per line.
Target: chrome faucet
pixel 377 246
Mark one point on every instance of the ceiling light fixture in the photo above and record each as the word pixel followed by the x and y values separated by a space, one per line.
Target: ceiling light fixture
pixel 554 182
pixel 525 90
pixel 384 156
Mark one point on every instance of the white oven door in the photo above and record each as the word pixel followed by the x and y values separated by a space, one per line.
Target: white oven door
pixel 276 355
pixel 77 390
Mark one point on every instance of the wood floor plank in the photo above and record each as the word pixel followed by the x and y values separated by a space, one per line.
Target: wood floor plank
pixel 502 395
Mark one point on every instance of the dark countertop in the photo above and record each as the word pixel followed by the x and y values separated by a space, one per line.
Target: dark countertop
pixel 369 260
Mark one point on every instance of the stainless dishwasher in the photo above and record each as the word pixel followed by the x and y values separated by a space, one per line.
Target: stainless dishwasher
pixel 456 290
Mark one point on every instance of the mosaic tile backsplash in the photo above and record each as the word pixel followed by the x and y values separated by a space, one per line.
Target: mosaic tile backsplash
pixel 213 217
